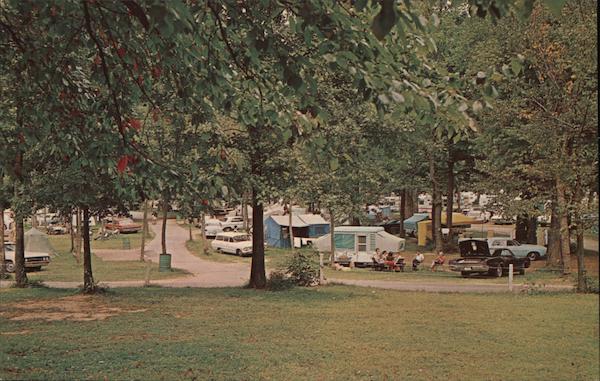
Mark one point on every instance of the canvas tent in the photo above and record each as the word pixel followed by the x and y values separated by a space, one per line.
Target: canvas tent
pixel 459 221
pixel 410 224
pixel 38 242
pixel 304 227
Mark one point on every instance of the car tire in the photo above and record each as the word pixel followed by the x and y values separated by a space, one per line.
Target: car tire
pixel 498 272
pixel 533 256
pixel 219 250
pixel 9 266
pixel 465 274
pixel 238 252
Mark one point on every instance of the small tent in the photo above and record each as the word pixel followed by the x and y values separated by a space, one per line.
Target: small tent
pixel 304 226
pixel 38 242
pixel 411 223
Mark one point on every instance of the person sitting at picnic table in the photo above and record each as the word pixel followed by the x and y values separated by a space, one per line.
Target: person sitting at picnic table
pixel 438 261
pixel 390 260
pixel 417 261
pixel 377 255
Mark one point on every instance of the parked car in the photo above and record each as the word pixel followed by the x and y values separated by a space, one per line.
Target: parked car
pixel 123 225
pixel 233 243
pixel 232 223
pixel 533 252
pixel 56 230
pixel 476 258
pixel 212 227
pixel 33 260
pixel 499 219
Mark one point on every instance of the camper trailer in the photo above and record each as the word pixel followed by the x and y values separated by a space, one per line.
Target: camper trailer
pixel 358 243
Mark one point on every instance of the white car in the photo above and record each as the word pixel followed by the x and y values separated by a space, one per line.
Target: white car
pixel 233 243
pixel 212 227
pixel 232 223
pixel 33 260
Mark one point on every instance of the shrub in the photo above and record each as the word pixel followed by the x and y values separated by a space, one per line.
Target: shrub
pixel 303 268
pixel 279 281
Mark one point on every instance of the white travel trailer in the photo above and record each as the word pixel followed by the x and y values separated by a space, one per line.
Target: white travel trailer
pixel 358 243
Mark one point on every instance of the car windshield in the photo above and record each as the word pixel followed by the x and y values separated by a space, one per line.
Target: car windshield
pixel 241 238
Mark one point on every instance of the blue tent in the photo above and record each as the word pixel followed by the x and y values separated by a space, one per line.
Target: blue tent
pixel 410 224
pixel 303 226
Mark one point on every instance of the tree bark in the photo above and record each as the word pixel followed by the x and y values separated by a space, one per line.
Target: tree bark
pixel 258 278
pixel 163 238
pixel 203 233
pixel 78 236
pixel 331 237
pixel 290 225
pixel 565 237
pixel 581 273
pixel 2 253
pixel 553 256
pixel 20 274
pixel 190 223
pixel 245 211
pixel 144 231
pixel 521 229
pixel 403 193
pixel 436 203
pixel 88 278
pixel 532 230
pixel 450 198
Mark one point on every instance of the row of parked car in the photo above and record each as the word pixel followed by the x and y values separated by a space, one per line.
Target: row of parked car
pixel 494 256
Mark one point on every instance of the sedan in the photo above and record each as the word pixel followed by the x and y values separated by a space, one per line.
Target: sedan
pixel 124 225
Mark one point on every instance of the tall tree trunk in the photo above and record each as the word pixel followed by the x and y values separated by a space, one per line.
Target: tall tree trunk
pixel 532 230
pixel 521 226
pixel 245 210
pixel 2 253
pixel 436 212
pixel 450 197
pixel 144 231
pixel 403 193
pixel 20 274
pixel 331 237
pixel 71 234
pixel 190 223
pixel 409 206
pixel 34 221
pixel 163 238
pixel 78 235
pixel 258 278
pixel 565 237
pixel 203 233
pixel 553 256
pixel 88 278
pixel 290 218
pixel 581 273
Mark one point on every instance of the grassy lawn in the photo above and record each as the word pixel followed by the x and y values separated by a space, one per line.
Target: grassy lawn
pixel 62 243
pixel 328 333
pixel 64 267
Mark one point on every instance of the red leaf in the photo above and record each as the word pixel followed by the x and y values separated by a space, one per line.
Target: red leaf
pixel 156 72
pixel 121 52
pixel 135 124
pixel 122 164
pixel 205 202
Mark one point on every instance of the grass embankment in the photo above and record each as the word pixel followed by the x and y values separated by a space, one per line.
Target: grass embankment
pixel 329 333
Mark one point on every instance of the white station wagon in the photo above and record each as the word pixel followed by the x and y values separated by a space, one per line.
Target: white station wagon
pixel 233 243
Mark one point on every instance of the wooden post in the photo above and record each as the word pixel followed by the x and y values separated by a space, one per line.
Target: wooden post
pixel 510 277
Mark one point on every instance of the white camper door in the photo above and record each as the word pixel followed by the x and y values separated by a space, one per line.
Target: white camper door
pixel 362 254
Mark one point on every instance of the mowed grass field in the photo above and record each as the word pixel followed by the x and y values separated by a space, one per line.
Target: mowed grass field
pixel 326 333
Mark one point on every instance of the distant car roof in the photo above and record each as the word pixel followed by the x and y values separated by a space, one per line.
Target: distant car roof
pixel 232 234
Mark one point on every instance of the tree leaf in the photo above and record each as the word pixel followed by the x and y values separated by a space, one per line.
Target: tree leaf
pixel 385 19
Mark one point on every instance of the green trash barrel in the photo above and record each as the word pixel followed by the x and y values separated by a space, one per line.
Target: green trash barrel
pixel 164 262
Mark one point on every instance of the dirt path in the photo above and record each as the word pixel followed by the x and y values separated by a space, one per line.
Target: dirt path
pixel 204 273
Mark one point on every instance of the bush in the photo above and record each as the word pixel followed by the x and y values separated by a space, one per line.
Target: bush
pixel 279 281
pixel 303 269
